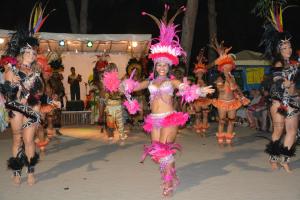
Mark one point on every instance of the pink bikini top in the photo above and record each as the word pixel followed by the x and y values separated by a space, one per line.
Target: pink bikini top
pixel 157 92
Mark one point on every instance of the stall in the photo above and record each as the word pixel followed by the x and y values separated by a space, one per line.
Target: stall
pixel 251 68
pixel 80 50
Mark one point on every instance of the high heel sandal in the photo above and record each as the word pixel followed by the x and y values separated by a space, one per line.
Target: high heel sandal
pixel 273 160
pixel 285 164
pixel 16 178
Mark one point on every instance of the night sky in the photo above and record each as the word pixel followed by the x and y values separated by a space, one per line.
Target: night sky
pixel 236 25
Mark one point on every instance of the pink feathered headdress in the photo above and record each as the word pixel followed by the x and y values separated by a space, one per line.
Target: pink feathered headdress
pixel 168 47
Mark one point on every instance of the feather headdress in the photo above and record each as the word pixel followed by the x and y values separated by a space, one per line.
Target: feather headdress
pixel 37 18
pixel 224 57
pixel 200 66
pixel 27 38
pixel 168 48
pixel 274 34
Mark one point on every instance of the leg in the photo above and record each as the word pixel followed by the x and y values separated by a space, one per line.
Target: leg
pixel 42 140
pixel 288 148
pixel 231 119
pixel 72 94
pixel 16 162
pixel 220 135
pixel 50 129
pixel 273 148
pixel 110 121
pixel 250 118
pixel 205 112
pixel 264 117
pixel 120 122
pixel 198 124
pixel 31 156
pixel 167 163
pixel 78 93
pixel 101 111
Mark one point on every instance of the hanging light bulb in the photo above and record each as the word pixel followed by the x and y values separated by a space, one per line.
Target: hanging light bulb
pixel 134 44
pixel 61 43
pixel 89 44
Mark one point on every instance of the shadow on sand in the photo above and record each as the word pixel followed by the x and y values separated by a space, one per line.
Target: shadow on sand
pixel 97 154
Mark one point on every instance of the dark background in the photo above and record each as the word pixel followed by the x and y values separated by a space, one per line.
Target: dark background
pixel 236 24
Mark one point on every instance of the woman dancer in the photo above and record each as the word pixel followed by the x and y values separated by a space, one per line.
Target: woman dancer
pixel 163 121
pixel 230 98
pixel 202 104
pixel 285 99
pixel 22 89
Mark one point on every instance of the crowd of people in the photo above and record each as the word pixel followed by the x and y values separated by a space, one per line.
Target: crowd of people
pixel 32 94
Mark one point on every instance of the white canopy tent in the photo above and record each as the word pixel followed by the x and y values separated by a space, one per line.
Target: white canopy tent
pixel 252 58
pixel 76 52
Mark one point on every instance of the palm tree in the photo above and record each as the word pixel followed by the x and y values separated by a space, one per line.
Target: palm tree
pixel 188 27
pixel 78 26
pixel 212 27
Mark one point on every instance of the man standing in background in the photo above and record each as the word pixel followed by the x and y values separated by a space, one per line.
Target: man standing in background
pixel 74 80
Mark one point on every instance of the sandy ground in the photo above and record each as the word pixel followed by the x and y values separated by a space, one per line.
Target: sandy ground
pixel 82 165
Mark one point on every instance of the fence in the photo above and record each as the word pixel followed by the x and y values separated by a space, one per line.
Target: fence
pixel 76 118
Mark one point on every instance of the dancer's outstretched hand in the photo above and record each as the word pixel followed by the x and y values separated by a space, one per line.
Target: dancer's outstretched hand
pixel 208 89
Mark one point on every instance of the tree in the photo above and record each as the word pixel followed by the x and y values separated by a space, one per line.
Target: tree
pixel 78 26
pixel 212 26
pixel 188 27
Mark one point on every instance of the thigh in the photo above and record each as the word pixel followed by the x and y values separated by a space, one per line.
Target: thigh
pixel 155 134
pixel 168 134
pixel 291 124
pixel 231 114
pixel 28 133
pixel 222 114
pixel 276 117
pixel 16 121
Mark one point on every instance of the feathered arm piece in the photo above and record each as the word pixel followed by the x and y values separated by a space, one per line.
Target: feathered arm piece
pixel 111 81
pixel 7 59
pixel 130 84
pixel 132 105
pixel 190 93
pixel 37 18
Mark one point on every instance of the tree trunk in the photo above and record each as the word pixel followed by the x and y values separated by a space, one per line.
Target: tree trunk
pixel 188 27
pixel 84 16
pixel 72 16
pixel 212 27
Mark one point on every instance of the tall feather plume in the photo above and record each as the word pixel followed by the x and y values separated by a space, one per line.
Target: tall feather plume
pixel 274 33
pixel 167 29
pixel 37 18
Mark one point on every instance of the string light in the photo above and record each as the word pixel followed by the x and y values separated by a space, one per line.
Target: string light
pixel 61 43
pixel 134 44
pixel 1 40
pixel 89 44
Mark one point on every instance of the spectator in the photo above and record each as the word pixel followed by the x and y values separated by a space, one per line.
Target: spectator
pixel 74 81
pixel 257 111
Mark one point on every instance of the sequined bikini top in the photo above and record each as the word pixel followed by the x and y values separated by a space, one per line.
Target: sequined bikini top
pixel 157 92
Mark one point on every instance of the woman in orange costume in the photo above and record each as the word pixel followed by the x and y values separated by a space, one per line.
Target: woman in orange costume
pixel 230 97
pixel 202 103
